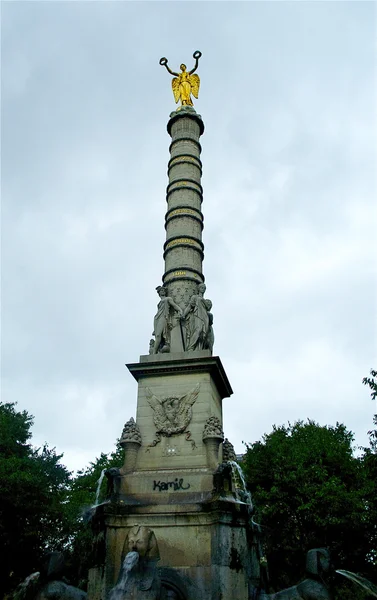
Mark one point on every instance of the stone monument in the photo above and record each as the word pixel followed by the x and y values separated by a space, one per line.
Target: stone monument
pixel 177 522
pixel 171 483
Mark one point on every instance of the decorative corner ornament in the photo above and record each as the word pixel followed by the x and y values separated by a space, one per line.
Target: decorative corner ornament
pixel 229 454
pixel 130 433
pixel 185 83
pixel 213 429
pixel 172 414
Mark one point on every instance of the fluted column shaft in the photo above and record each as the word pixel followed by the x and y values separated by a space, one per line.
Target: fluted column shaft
pixel 183 249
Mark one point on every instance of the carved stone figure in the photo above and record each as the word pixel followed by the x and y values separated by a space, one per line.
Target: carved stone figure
pixel 46 584
pixel 210 337
pixel 198 322
pixel 228 451
pixel 213 428
pixel 131 432
pixel 113 476
pixel 138 578
pixel 172 414
pixel 185 83
pixel 312 588
pixel 163 321
pixel 142 540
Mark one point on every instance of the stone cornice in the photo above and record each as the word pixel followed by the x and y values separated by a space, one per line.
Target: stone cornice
pixel 154 365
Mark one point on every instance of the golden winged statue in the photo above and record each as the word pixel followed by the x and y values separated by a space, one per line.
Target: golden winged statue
pixel 185 83
pixel 172 414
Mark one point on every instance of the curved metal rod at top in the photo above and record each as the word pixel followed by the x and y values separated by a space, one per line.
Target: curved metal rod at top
pixel 164 63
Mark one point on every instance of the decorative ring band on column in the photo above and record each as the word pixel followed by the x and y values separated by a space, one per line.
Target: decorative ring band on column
pixel 185 139
pixel 182 272
pixel 196 218
pixel 184 182
pixel 187 162
pixel 183 208
pixel 185 155
pixel 187 239
pixel 184 187
pixel 187 244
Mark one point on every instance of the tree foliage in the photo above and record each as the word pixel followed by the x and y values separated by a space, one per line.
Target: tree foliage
pixel 42 506
pixel 310 491
pixel 370 467
pixel 308 487
pixel 371 382
pixel 81 497
pixel 33 493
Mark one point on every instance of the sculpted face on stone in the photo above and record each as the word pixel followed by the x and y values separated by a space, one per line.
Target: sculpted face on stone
pixel 142 540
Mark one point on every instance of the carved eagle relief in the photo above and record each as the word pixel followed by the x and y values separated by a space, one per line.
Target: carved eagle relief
pixel 172 414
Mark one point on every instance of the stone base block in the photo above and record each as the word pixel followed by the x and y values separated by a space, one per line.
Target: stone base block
pixel 205 551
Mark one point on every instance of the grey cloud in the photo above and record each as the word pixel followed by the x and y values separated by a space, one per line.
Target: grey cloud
pixel 288 104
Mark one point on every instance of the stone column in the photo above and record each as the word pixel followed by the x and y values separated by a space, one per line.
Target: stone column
pixel 183 249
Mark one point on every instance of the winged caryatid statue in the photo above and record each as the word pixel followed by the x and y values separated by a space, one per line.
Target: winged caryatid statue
pixel 185 83
pixel 172 414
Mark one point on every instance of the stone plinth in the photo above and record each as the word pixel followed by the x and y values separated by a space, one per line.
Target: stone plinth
pixel 204 546
pixel 201 533
pixel 166 382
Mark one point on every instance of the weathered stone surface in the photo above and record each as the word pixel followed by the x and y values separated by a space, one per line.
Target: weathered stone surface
pixel 228 451
pixel 163 321
pixel 131 432
pixel 206 548
pixel 198 322
pixel 183 249
pixel 172 414
pixel 171 489
pixel 213 428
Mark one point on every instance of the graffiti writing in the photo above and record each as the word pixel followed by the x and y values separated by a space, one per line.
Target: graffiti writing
pixel 164 486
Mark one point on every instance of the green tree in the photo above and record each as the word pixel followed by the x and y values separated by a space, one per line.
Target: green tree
pixel 370 465
pixel 81 499
pixel 371 382
pixel 33 495
pixel 309 490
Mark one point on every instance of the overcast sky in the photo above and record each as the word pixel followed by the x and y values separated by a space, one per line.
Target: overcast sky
pixel 288 98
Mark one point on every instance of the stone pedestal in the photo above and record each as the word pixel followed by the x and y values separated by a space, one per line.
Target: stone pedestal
pixel 203 546
pixel 169 377
pixel 200 526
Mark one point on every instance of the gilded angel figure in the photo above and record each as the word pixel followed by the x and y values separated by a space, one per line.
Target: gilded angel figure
pixel 185 83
